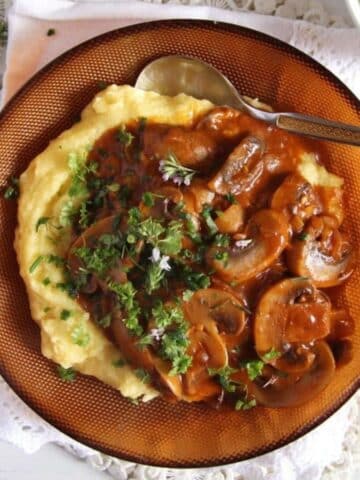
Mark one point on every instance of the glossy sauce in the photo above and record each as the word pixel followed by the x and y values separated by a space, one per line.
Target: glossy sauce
pixel 257 305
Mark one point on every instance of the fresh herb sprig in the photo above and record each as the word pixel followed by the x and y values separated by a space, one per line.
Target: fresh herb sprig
pixel 171 169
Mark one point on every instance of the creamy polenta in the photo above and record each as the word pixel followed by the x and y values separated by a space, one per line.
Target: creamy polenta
pixel 43 193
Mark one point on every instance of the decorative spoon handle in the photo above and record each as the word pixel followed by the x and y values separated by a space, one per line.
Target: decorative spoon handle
pixel 319 128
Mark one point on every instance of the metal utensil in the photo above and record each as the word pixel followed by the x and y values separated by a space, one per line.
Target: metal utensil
pixel 171 75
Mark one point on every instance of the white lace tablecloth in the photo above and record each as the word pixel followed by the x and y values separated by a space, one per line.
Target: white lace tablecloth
pixel 331 451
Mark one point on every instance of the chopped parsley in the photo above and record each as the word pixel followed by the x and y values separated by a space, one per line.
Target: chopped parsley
pixel 142 375
pixel 79 336
pixel 165 315
pixel 223 374
pixel 207 216
pixel 148 199
pixel 187 294
pixel 79 168
pixel 222 256
pixel 124 137
pixel 271 355
pixel 245 404
pixel 195 280
pixel 66 374
pixel 126 293
pixel 11 192
pixel 118 363
pixel 41 221
pixel 46 281
pixel 174 344
pixel 302 236
pixel 65 314
pixel 253 368
pixel 104 321
pixel 230 197
pixel 67 214
pixel 222 240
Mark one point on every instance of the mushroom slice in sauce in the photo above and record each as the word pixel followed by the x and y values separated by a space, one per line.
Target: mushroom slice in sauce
pixel 274 389
pixel 297 200
pixel 323 255
pixel 266 237
pixel 241 169
pixel 289 318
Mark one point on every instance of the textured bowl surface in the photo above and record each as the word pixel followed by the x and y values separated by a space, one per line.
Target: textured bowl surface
pixel 158 433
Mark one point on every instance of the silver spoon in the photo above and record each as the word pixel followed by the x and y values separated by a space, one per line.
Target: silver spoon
pixel 173 74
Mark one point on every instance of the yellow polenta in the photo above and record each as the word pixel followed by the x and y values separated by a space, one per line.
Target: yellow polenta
pixel 43 193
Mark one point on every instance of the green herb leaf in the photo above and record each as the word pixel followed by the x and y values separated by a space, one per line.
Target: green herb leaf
pixel 222 240
pixel 206 214
pixel 142 375
pixel 166 315
pixel 65 314
pixel 173 170
pixel 271 355
pixel 46 281
pixel 67 214
pixel 124 137
pixel 66 374
pixel 195 280
pixel 245 404
pixel 41 221
pixel 302 236
pixel 154 277
pixel 223 375
pixel 36 263
pixel 12 190
pixel 126 293
pixel 80 336
pixel 174 344
pixel 148 199
pixel 230 198
pixel 118 363
pixel 187 294
pixel 254 368
pixel 105 321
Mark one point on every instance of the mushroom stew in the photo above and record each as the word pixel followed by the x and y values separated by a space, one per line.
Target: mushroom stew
pixel 205 254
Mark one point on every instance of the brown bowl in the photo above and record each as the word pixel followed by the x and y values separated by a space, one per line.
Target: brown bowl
pixel 159 433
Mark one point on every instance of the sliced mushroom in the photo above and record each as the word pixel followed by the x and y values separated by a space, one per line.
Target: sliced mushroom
pixel 231 220
pixel 274 389
pixel 289 317
pixel 324 255
pixel 241 169
pixel 266 237
pixel 297 200
pixel 221 313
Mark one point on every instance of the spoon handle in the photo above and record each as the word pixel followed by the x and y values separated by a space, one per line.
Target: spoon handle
pixel 319 128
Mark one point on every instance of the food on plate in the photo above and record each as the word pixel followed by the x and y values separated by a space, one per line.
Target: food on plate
pixel 172 247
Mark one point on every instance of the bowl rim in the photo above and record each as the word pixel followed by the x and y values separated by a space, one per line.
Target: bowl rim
pixel 215 25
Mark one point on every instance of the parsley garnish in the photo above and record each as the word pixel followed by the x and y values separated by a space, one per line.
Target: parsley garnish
pixel 254 368
pixel 125 293
pixel 195 280
pixel 124 137
pixel 65 314
pixel 148 199
pixel 46 281
pixel 245 404
pixel 187 294
pixel 174 345
pixel 302 236
pixel 105 321
pixel 118 363
pixel 41 221
pixel 12 190
pixel 230 198
pixel 36 263
pixel 80 336
pixel 222 240
pixel 79 168
pixel 271 355
pixel 222 256
pixel 206 214
pixel 173 170
pixel 67 214
pixel 223 375
pixel 164 316
pixel 66 374
pixel 142 375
